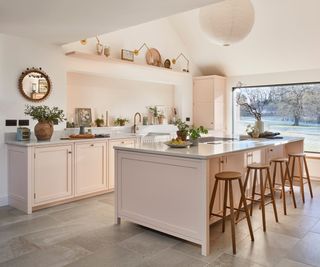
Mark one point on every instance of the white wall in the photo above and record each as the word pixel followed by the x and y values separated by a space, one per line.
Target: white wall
pixel 120 97
pixel 17 54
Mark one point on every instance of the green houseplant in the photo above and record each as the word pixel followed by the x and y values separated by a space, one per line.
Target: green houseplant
pixel 99 122
pixel 195 133
pixel 120 121
pixel 183 129
pixel 46 117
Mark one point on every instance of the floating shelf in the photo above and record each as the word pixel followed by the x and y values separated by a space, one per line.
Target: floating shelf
pixel 102 58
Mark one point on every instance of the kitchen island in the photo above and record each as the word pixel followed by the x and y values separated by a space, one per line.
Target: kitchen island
pixel 169 189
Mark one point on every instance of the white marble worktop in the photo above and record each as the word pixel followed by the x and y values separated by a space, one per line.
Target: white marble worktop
pixel 205 150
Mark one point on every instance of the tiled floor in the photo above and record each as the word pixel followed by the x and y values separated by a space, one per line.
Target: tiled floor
pixel 82 234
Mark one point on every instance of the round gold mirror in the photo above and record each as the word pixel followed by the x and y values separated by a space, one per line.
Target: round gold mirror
pixel 35 84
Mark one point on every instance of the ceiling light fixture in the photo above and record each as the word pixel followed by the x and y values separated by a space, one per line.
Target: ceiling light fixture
pixel 227 22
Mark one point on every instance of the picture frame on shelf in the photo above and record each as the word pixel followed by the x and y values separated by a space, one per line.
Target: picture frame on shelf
pixel 127 55
pixel 83 117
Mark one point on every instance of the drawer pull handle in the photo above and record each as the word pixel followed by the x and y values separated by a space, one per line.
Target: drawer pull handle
pixel 92 145
pixel 69 152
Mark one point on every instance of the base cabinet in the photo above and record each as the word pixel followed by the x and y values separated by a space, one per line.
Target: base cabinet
pixel 90 168
pixel 112 144
pixel 52 174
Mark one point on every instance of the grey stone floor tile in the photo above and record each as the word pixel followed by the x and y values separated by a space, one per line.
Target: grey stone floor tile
pixel 14 248
pixel 226 260
pixel 307 250
pixel 290 263
pixel 96 239
pixel 268 248
pixel 149 242
pixel 172 258
pixel 10 231
pixel 54 256
pixel 316 227
pixel 111 255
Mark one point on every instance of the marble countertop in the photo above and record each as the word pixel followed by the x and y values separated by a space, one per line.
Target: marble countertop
pixel 58 141
pixel 205 150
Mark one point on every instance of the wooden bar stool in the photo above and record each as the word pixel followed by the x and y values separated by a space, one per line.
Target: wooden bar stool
pixel 228 178
pixel 263 182
pixel 284 175
pixel 300 157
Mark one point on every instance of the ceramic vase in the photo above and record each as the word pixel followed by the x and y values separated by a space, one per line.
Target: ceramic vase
pixel 43 130
pixel 259 125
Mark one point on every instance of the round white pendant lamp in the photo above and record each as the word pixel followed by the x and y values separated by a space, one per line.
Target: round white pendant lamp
pixel 227 22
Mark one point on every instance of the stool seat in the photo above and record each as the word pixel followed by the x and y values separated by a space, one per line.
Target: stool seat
pixel 228 175
pixel 258 166
pixel 296 155
pixel 280 160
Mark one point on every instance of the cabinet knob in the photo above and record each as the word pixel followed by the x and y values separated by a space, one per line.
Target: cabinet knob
pixel 271 150
pixel 69 152
pixel 92 145
pixel 122 142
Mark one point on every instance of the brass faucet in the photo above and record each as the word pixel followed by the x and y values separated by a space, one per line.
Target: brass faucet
pixel 134 121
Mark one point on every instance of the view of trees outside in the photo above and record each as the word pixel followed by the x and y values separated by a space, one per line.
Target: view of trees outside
pixel 292 110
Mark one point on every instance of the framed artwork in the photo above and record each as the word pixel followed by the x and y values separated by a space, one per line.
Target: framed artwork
pixel 83 117
pixel 127 55
pixel 42 86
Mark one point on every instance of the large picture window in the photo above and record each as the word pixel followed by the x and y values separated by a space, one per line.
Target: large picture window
pixel 291 110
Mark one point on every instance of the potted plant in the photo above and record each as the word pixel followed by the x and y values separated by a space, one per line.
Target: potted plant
pixel 120 122
pixel 155 114
pixel 161 118
pixel 183 129
pixel 46 117
pixel 195 133
pixel 99 122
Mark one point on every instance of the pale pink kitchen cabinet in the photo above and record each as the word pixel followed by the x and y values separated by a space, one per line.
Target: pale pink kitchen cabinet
pixel 209 102
pixel 52 173
pixel 90 167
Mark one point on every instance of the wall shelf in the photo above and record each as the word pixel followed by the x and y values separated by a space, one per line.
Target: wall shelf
pixel 102 58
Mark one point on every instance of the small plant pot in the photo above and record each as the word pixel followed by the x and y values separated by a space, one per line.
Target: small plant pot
pixel 194 142
pixel 122 123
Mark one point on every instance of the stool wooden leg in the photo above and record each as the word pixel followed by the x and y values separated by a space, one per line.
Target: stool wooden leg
pixel 274 174
pixel 272 197
pixel 301 180
pixel 245 186
pixel 308 176
pixel 233 231
pixel 262 201
pixel 213 196
pixel 224 205
pixel 287 176
pixel 253 191
pixel 243 197
pixel 283 192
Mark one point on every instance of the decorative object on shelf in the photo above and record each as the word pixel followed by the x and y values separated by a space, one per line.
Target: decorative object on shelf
pixel 174 61
pixel 145 120
pixel 34 84
pixel 252 131
pixel 46 117
pixel 153 56
pixel 127 55
pixel 106 51
pixel 161 118
pixel 120 122
pixel 99 47
pixel 83 117
pixel 174 116
pixel 195 133
pixel 167 64
pixel 23 134
pixel 183 129
pixel 155 113
pixel 228 21
pixel 83 41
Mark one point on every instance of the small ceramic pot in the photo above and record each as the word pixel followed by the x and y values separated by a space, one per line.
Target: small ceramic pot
pixel 182 135
pixel 43 130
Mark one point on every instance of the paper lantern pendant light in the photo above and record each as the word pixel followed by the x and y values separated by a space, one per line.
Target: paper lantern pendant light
pixel 227 22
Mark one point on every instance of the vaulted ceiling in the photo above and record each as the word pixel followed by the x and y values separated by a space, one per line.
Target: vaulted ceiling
pixel 64 21
pixel 285 37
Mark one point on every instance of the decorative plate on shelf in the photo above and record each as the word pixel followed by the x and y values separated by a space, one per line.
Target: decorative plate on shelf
pixel 153 57
pixel 181 145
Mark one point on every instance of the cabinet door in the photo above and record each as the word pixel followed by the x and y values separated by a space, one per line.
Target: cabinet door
pixel 203 90
pixel 113 143
pixel 90 167
pixel 215 167
pixel 52 174
pixel 203 115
